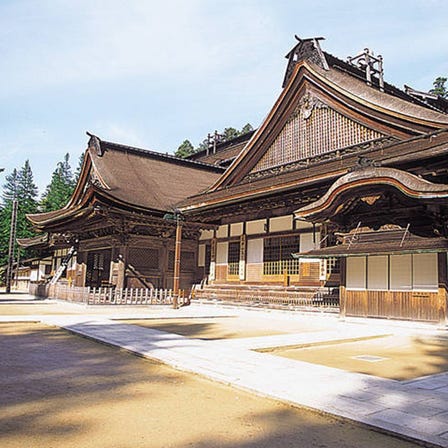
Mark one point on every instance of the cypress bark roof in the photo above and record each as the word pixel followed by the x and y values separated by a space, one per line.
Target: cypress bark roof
pixel 378 243
pixel 133 178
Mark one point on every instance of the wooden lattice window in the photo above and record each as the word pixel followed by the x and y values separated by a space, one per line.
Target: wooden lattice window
pixel 277 258
pixel 333 266
pixel 187 260
pixel 144 258
pixel 233 258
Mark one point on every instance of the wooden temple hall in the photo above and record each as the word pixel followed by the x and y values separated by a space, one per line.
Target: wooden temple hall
pixel 341 191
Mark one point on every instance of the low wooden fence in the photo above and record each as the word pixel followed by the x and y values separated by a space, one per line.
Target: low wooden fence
pixel 108 296
pixel 324 297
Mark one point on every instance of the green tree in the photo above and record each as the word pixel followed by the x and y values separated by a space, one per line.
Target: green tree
pixel 9 193
pixel 19 184
pixel 230 133
pixel 439 87
pixel 60 188
pixel 185 149
pixel 246 128
pixel 79 168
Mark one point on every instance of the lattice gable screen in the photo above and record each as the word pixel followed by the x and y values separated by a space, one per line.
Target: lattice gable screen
pixel 313 129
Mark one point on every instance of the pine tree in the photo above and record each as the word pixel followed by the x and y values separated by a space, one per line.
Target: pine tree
pixel 79 168
pixel 230 133
pixel 9 193
pixel 185 149
pixel 60 189
pixel 246 128
pixel 439 87
pixel 19 184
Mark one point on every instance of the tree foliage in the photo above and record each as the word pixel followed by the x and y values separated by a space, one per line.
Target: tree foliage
pixel 19 184
pixel 79 168
pixel 186 148
pixel 439 87
pixel 60 188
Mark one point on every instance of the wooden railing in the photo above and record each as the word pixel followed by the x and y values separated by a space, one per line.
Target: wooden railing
pixel 108 296
pixel 323 297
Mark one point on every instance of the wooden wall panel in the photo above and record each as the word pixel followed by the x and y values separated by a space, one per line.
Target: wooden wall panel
pixel 412 305
pixel 254 272
pixel 221 272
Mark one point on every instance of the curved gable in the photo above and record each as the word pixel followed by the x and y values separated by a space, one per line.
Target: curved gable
pixel 322 111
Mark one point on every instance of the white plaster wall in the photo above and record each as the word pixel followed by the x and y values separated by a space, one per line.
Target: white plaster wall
pixel 236 229
pixel 255 250
pixel 254 227
pixel 280 223
pixel 222 252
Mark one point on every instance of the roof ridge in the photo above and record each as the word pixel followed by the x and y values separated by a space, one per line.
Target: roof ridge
pixel 159 155
pixel 389 88
pixel 227 143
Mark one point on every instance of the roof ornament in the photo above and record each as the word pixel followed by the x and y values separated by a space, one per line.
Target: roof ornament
pixel 308 103
pixel 371 64
pixel 95 143
pixel 305 49
pixel 213 140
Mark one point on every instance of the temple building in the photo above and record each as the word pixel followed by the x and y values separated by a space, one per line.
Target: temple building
pixel 343 186
pixel 348 174
pixel 119 226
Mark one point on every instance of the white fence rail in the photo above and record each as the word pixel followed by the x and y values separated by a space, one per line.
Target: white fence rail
pixel 108 296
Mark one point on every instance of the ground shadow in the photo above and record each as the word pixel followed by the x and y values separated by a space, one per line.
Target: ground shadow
pixel 64 390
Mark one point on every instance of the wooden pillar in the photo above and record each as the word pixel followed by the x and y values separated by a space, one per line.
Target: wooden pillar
pixel 242 262
pixel 177 254
pixel 122 260
pixel 342 290
pixel 81 268
pixel 213 244
pixel 443 288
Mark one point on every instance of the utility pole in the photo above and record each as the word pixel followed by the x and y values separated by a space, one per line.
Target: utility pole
pixel 11 249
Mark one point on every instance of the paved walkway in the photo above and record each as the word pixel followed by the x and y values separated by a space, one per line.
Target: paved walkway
pixel 416 409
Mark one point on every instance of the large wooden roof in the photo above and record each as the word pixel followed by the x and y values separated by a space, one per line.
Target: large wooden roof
pixel 130 178
pixel 326 117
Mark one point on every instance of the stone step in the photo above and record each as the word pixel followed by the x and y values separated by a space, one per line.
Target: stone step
pixel 257 287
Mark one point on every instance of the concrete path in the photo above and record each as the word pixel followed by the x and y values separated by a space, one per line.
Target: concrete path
pixel 416 409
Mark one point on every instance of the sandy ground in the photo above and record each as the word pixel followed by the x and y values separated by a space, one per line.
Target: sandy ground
pixel 60 390
pixel 230 327
pixel 39 307
pixel 402 357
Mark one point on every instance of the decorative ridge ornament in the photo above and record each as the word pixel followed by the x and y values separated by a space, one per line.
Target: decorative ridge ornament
pixel 308 49
pixel 307 104
pixel 95 143
pixel 372 66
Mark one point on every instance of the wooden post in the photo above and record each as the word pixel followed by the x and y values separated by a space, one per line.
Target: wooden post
pixel 11 247
pixel 342 290
pixel 177 253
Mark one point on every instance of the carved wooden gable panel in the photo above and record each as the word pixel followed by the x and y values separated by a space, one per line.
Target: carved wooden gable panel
pixel 313 129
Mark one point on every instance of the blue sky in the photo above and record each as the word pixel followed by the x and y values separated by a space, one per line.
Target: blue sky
pixel 153 73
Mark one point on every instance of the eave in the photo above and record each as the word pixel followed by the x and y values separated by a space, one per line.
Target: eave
pixel 370 181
